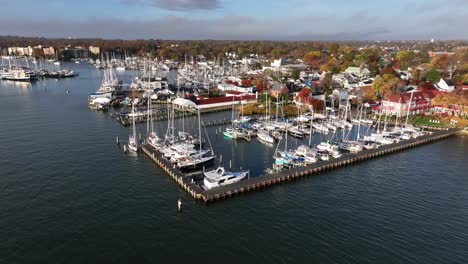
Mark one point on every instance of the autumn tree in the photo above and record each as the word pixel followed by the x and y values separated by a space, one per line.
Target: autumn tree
pixel 405 58
pixel 386 85
pixel 368 94
pixel 314 59
pixel 389 71
pixel 327 83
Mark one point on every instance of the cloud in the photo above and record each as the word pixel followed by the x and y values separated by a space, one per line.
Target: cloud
pixel 179 5
pixel 355 26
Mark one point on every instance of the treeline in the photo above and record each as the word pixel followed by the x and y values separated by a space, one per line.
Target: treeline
pixel 177 50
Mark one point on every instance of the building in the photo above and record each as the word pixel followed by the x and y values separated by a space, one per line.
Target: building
pixel 232 87
pixel 276 89
pixel 20 51
pixel 433 54
pixel 418 102
pixel 364 73
pixel 50 51
pixel 94 50
pixel 227 101
pixel 76 52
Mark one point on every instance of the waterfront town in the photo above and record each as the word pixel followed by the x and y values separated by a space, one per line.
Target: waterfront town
pixel 146 131
pixel 431 77
pixel 362 98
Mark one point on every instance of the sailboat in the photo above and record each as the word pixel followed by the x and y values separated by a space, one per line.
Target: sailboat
pixel 196 161
pixel 153 138
pixel 264 134
pixel 132 139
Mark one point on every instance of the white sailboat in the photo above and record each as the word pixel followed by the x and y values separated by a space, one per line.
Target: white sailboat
pixel 132 139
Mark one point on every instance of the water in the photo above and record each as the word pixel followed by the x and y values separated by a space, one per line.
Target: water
pixel 69 194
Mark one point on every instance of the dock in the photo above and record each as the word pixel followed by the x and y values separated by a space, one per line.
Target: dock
pixel 268 180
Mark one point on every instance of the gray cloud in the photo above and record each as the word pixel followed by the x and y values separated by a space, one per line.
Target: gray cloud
pixel 179 5
pixel 358 26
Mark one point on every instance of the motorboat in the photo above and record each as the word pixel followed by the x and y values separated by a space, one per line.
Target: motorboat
pixel 221 177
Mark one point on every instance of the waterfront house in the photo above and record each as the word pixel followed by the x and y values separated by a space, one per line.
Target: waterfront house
pixel 276 89
pixel 418 101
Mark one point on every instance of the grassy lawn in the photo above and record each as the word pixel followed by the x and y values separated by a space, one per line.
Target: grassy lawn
pixel 425 121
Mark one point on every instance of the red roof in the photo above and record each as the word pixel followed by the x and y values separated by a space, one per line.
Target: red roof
pixel 234 92
pixel 217 100
pixel 419 94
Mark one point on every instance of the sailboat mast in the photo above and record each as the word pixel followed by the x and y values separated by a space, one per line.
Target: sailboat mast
pixel 359 125
pixel 311 121
pixel 133 112
pixel 385 119
pixel 409 106
pixel 199 131
pixel 396 117
pixel 148 113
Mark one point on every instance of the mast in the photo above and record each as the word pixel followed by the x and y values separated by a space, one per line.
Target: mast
pixel 199 132
pixel 148 116
pixel 311 121
pixel 133 119
pixel 385 119
pixel 409 106
pixel 359 125
pixel 396 117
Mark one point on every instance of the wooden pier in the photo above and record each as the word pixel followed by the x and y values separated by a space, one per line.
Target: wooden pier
pixel 264 181
pixel 216 122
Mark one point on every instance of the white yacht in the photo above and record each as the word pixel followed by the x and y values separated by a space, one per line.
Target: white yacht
pixel 220 177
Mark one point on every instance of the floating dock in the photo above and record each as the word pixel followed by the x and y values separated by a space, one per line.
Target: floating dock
pixel 261 182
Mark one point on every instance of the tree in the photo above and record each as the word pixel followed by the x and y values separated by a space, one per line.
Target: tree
pixel 433 76
pixel 465 78
pixel 313 59
pixel 327 83
pixel 445 63
pixel 304 95
pixel 368 95
pixel 295 74
pixel 262 86
pixel 405 58
pixel 386 85
pixel 388 70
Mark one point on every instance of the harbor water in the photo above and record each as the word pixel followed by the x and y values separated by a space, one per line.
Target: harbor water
pixel 70 194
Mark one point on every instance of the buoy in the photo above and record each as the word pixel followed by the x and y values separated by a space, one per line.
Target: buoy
pixel 117 140
pixel 125 148
pixel 179 205
pixel 230 164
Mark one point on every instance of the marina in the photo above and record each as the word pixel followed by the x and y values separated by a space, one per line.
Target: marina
pixel 134 160
pixel 261 182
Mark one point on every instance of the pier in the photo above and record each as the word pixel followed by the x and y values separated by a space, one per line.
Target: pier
pixel 268 180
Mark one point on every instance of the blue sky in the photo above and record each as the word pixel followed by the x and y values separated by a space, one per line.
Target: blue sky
pixel 237 19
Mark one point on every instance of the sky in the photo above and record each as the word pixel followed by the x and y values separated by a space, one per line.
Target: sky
pixel 237 19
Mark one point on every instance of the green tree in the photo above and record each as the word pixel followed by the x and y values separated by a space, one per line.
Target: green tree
pixel 433 76
pixel 406 59
pixel 295 74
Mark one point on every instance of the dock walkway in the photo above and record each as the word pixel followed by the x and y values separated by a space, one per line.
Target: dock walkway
pixel 268 180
